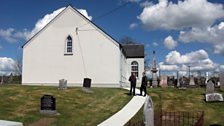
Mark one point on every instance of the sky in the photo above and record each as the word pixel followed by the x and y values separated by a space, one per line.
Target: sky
pixel 182 32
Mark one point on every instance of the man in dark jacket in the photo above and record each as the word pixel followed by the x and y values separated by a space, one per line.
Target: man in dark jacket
pixel 132 80
pixel 144 84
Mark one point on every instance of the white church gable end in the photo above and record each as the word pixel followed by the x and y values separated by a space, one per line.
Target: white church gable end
pixel 71 47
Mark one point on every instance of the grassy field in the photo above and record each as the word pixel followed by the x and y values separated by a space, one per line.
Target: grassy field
pixel 76 108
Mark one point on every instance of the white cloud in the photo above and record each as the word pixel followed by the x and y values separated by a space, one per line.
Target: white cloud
pixel 1 47
pixel 221 26
pixel 169 42
pixel 213 35
pixel 221 68
pixel 133 25
pixel 197 60
pixel 11 35
pixel 155 44
pixel 44 21
pixel 146 4
pixel 166 67
pixel 175 57
pixel 184 14
pixel 134 1
pixel 7 65
pixel 85 13
pixel 48 17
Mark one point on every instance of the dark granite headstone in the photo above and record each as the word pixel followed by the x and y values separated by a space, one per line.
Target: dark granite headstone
pixel 87 83
pixel 48 105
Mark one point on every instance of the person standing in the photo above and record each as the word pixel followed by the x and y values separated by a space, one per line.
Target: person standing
pixel 143 84
pixel 132 80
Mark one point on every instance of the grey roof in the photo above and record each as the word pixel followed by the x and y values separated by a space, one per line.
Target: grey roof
pixel 133 50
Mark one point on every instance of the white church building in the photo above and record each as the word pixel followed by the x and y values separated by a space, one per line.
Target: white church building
pixel 72 47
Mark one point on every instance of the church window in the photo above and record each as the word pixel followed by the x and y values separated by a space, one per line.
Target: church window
pixel 134 68
pixel 69 49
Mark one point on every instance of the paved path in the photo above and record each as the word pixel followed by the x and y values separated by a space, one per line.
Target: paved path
pixel 127 112
pixel 10 123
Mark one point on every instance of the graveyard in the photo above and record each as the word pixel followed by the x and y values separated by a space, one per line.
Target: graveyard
pixel 73 105
pixel 191 100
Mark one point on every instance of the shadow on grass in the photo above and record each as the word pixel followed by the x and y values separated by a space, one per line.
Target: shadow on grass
pixel 127 93
pixel 215 125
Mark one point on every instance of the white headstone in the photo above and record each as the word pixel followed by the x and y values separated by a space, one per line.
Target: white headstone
pixel 214 97
pixel 148 112
pixel 207 78
pixel 192 83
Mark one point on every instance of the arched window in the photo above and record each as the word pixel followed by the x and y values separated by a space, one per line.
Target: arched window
pixel 69 45
pixel 134 68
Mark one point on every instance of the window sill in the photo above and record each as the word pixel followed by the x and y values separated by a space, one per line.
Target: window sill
pixel 68 54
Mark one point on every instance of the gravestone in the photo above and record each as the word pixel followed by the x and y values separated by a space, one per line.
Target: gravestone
pixel 221 80
pixel 148 112
pixel 178 80
pixel 183 83
pixel 2 79
pixel 210 95
pixel 48 105
pixel 213 97
pixel 62 84
pixel 207 78
pixel 191 83
pixel 209 87
pixel 163 81
pixel 87 85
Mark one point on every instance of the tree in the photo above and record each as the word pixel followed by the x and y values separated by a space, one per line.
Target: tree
pixel 127 40
pixel 18 66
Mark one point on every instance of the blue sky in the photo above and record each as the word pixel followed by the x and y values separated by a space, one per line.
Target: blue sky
pixel 183 33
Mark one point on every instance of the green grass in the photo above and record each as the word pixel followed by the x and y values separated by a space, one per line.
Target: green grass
pixel 189 100
pixel 76 108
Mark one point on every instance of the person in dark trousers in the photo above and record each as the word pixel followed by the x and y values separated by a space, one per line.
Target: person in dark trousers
pixel 132 80
pixel 144 84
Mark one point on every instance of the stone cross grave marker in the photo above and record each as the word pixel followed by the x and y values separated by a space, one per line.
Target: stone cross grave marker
pixel 209 87
pixel 48 105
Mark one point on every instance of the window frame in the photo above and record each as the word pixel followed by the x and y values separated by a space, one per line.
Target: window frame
pixel 69 45
pixel 135 68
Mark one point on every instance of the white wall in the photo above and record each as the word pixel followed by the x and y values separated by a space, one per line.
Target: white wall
pixel 124 70
pixel 44 62
pixel 140 68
